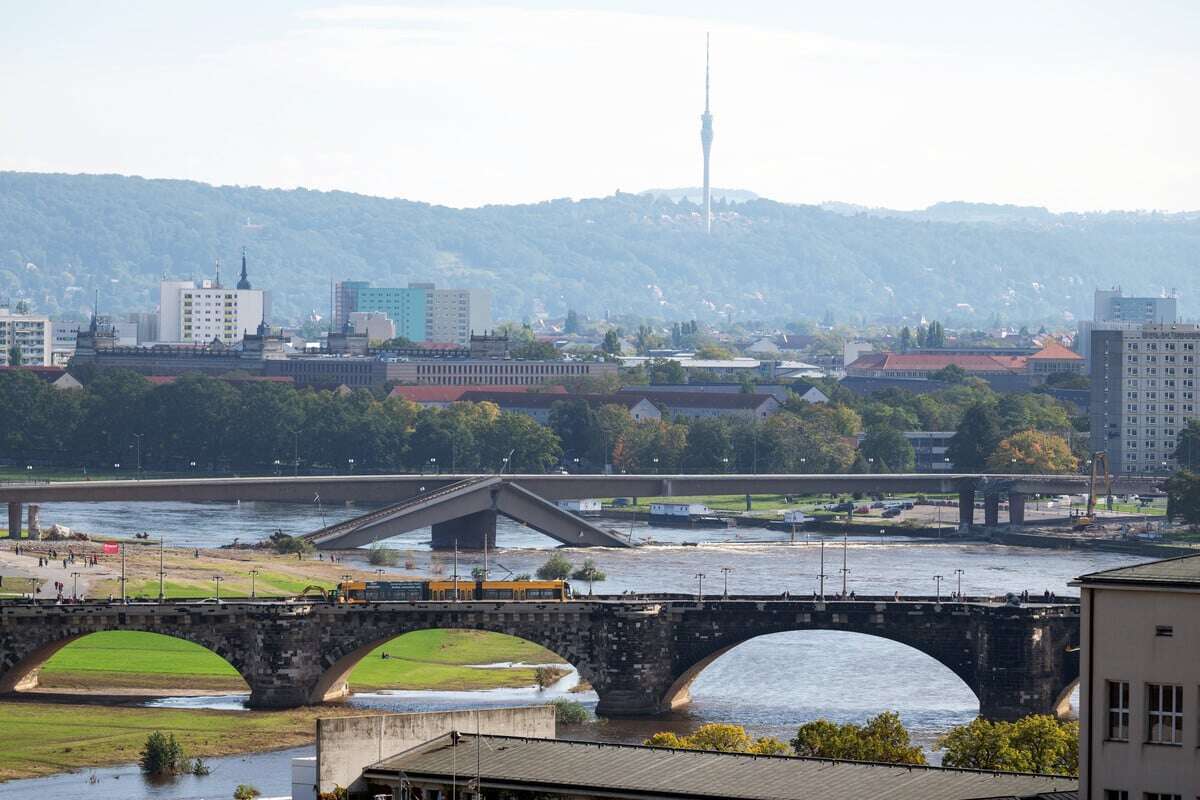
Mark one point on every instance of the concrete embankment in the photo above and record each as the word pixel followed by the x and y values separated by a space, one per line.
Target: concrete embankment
pixel 1065 542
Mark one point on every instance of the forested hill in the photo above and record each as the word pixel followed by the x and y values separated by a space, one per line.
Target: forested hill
pixel 61 236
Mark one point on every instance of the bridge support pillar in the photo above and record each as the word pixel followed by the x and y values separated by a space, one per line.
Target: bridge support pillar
pixel 1016 509
pixel 14 520
pixel 966 508
pixel 470 531
pixel 991 510
pixel 35 524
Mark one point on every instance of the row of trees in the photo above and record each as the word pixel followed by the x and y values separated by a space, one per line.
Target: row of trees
pixel 201 422
pixel 1038 743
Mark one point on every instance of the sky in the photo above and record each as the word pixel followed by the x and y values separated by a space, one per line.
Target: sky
pixel 1066 104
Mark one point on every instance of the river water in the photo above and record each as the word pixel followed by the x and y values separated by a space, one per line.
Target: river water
pixel 770 684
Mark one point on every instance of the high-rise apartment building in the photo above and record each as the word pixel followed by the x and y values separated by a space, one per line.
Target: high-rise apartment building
pixel 30 334
pixel 198 314
pixel 1143 384
pixel 421 312
pixel 1114 311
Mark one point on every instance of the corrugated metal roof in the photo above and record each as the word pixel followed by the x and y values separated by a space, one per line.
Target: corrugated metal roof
pixel 651 771
pixel 1174 571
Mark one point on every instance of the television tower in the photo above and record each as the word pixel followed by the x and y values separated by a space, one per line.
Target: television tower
pixel 706 134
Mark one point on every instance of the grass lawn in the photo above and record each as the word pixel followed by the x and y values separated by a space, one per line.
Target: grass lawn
pixel 45 738
pixel 432 659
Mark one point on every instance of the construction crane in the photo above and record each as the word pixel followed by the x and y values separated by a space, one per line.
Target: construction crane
pixel 1088 520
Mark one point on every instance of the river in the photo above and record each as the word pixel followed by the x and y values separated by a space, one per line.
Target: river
pixel 770 684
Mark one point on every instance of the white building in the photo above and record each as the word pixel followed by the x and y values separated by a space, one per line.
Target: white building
pixel 199 314
pixel 62 344
pixel 31 333
pixel 455 313
pixel 375 325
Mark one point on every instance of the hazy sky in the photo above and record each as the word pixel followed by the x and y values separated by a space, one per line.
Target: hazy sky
pixel 1072 104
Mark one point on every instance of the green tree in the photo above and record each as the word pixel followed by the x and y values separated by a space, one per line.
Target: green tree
pixel 588 572
pixel 1033 453
pixel 975 439
pixel 556 568
pixel 1038 743
pixel 163 755
pixel 578 428
pixel 883 738
pixel 14 356
pixel 612 342
pixel 889 447
pixel 709 444
pixel 536 350
pixel 906 339
pixel 713 352
pixel 651 446
pixel 1187 447
pixel 530 447
pixel 951 373
pixel 1183 497
pixel 664 370
pixel 721 738
pixel 245 791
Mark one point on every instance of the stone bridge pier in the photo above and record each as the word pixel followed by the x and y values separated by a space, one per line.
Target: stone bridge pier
pixel 640 656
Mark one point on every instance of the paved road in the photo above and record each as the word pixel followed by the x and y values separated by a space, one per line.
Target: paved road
pixel 15 567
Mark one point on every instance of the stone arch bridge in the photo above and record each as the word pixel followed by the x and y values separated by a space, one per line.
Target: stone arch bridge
pixel 640 654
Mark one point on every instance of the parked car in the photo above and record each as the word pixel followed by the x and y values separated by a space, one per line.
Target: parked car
pixel 840 508
pixel 891 512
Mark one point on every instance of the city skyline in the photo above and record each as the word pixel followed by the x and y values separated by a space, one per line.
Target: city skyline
pixel 862 104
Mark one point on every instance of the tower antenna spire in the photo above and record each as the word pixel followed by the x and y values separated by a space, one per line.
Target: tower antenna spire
pixel 706 135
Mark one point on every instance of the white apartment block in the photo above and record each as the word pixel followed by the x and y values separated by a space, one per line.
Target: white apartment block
pixel 198 314
pixel 31 333
pixel 1144 384
pixel 62 345
pixel 455 313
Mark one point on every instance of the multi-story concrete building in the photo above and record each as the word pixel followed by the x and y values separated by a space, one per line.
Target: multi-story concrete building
pixel 1139 688
pixel 1113 311
pixel 1143 385
pixel 198 314
pixel 62 344
pixel 375 325
pixel 31 334
pixel 456 371
pixel 421 312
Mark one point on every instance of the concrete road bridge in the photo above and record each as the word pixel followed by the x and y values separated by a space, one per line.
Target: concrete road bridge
pixel 640 654
pixel 465 506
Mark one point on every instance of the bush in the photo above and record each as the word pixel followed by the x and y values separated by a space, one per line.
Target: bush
pixel 163 755
pixel 883 738
pixel 556 568
pixel 285 544
pixel 569 712
pixel 198 767
pixel 588 572
pixel 545 677
pixel 722 738
pixel 383 557
pixel 245 791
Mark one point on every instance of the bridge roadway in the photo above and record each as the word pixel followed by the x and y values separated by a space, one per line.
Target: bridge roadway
pixel 469 517
pixel 640 653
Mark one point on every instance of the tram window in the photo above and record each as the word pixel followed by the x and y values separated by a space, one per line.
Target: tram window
pixel 497 594
pixel 539 594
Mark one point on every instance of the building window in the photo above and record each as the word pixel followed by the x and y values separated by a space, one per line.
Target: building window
pixel 1159 796
pixel 1116 794
pixel 1164 713
pixel 1118 711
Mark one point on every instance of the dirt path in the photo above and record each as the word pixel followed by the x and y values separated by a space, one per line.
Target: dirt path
pixel 15 567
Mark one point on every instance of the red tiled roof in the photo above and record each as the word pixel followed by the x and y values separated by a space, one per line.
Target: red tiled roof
pixel 451 394
pixel 545 400
pixel 932 362
pixel 45 373
pixel 1053 350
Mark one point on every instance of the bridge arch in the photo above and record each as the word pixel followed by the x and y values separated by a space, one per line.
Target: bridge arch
pixel 678 693
pixel 24 672
pixel 337 665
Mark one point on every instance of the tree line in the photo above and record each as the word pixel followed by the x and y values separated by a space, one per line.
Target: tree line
pixel 204 423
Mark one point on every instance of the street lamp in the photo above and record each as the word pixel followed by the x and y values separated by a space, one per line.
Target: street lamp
pixel 700 587
pixel 725 463
pixel 74 585
pixel 433 463
pixel 725 571
pixel 350 461
pixel 139 436
pixel 277 467
pixel 346 577
pixel 253 575
pixel 959 574
pixel 655 465
pixel 938 580
pixel 217 583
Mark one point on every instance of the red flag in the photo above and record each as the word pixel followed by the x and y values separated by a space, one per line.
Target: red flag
pixel 111 548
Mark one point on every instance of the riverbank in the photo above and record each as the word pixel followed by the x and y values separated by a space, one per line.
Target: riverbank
pixel 43 738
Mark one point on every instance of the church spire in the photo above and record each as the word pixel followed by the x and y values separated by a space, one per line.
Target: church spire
pixel 243 282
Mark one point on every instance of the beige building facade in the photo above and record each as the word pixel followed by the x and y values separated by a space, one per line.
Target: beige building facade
pixel 1140 682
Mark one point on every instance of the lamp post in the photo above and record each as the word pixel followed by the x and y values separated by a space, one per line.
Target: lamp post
pixel 350 462
pixel 217 583
pixel 253 593
pixel 845 568
pixel 725 464
pixel 162 573
pixel 433 464
pixel 938 580
pixel 958 593
pixel 725 572
pixel 74 585
pixel 821 575
pixel 139 436
pixel 655 465
pixel 277 467
pixel 124 597
pixel 700 587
